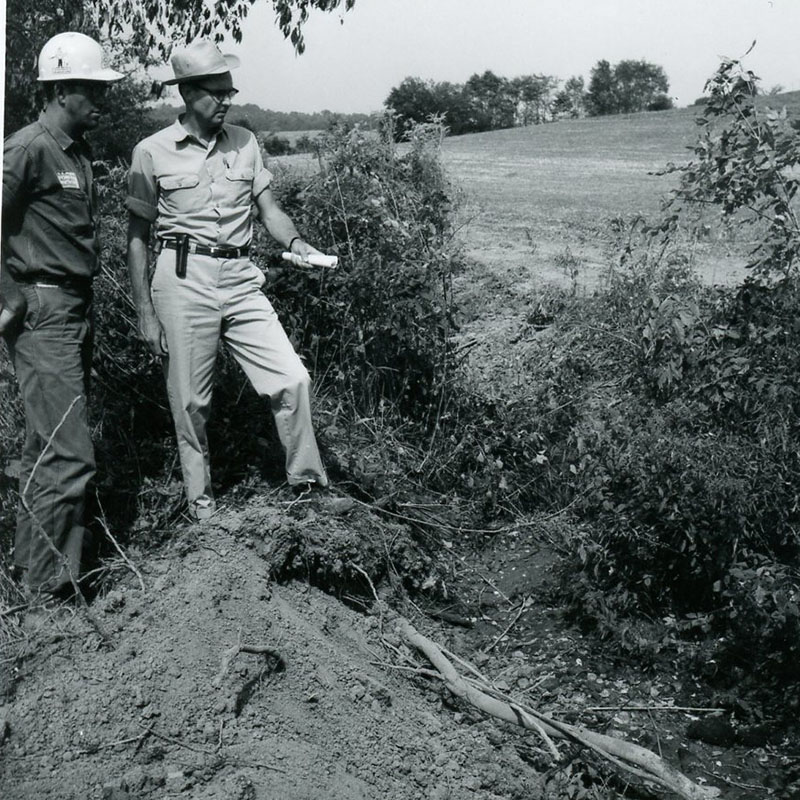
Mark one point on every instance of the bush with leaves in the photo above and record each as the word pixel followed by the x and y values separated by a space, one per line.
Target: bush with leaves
pixel 745 168
pixel 688 467
pixel 379 325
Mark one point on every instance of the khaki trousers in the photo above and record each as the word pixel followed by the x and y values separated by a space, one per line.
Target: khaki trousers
pixel 223 298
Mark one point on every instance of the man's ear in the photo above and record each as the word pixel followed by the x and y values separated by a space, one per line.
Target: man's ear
pixel 59 93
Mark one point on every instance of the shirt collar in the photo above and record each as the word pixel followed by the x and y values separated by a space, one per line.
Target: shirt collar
pixel 180 134
pixel 64 140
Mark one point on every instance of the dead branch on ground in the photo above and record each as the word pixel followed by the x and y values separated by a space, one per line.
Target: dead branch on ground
pixel 213 753
pixel 629 757
pixel 230 654
pixel 102 520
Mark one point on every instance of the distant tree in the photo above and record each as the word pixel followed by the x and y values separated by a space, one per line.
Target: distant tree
pixel 243 121
pixel 628 87
pixel 413 101
pixel 274 145
pixel 570 101
pixel 534 98
pixel 602 96
pixel 491 100
pixel 661 102
pixel 485 102
pixel 637 84
pixel 453 103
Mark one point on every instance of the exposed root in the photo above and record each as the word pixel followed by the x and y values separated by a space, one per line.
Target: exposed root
pixel 629 757
pixel 230 654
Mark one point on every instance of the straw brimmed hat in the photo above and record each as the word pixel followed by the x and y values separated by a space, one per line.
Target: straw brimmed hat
pixel 199 59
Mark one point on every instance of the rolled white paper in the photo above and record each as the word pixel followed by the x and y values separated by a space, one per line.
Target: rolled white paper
pixel 313 260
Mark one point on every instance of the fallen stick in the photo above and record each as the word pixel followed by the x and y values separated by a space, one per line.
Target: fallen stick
pixel 523 606
pixel 102 520
pixel 88 751
pixel 451 619
pixel 232 652
pixel 633 759
pixel 205 752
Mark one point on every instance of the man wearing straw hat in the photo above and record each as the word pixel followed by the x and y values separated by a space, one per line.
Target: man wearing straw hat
pixel 196 182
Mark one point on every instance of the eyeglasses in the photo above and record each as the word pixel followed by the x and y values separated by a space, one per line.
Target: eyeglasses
pixel 220 95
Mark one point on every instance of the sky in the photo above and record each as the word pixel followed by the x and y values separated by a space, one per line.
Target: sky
pixel 353 59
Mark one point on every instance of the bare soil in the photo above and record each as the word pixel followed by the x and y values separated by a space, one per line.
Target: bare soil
pixel 331 711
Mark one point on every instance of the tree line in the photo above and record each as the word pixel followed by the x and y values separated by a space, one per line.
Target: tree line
pixel 256 119
pixel 490 102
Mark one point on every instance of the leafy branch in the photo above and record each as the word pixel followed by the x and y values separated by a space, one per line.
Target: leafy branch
pixel 745 165
pixel 153 24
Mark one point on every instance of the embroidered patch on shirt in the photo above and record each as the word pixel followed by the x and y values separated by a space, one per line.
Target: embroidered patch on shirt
pixel 68 180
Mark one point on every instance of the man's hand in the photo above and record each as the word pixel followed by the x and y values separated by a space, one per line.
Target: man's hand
pixel 303 249
pixel 12 302
pixel 151 332
pixel 7 320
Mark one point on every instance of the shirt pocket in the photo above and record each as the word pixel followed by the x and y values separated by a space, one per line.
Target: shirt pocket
pixel 239 186
pixel 77 211
pixel 179 194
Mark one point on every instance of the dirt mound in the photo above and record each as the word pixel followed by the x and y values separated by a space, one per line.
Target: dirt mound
pixel 157 714
pixel 217 682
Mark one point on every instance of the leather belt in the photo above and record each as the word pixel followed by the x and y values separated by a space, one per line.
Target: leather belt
pixel 73 282
pixel 213 251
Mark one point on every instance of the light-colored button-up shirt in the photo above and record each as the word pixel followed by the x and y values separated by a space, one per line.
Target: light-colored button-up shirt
pixel 205 191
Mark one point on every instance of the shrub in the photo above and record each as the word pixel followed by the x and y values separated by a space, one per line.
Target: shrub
pixel 380 324
pixel 274 145
pixel 688 471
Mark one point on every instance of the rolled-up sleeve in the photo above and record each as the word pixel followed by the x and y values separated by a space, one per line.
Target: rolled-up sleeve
pixel 142 199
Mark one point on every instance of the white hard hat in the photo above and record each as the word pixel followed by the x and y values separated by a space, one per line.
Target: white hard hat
pixel 72 56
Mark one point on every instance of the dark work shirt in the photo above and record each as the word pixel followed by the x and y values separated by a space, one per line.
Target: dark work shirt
pixel 48 205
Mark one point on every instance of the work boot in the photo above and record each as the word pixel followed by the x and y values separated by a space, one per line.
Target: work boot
pixel 202 508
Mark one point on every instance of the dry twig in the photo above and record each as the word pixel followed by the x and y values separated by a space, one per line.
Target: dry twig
pixel 232 652
pixel 524 605
pixel 203 751
pixel 627 756
pixel 128 562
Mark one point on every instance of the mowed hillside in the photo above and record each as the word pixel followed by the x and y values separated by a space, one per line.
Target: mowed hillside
pixel 572 172
pixel 545 195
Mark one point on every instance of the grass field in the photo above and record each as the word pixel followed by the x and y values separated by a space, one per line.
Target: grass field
pixel 543 196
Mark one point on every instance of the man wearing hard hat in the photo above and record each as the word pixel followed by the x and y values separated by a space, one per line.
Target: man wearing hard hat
pixel 50 252
pixel 196 182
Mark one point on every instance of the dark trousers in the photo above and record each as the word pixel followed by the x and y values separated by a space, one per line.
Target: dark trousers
pixel 52 358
